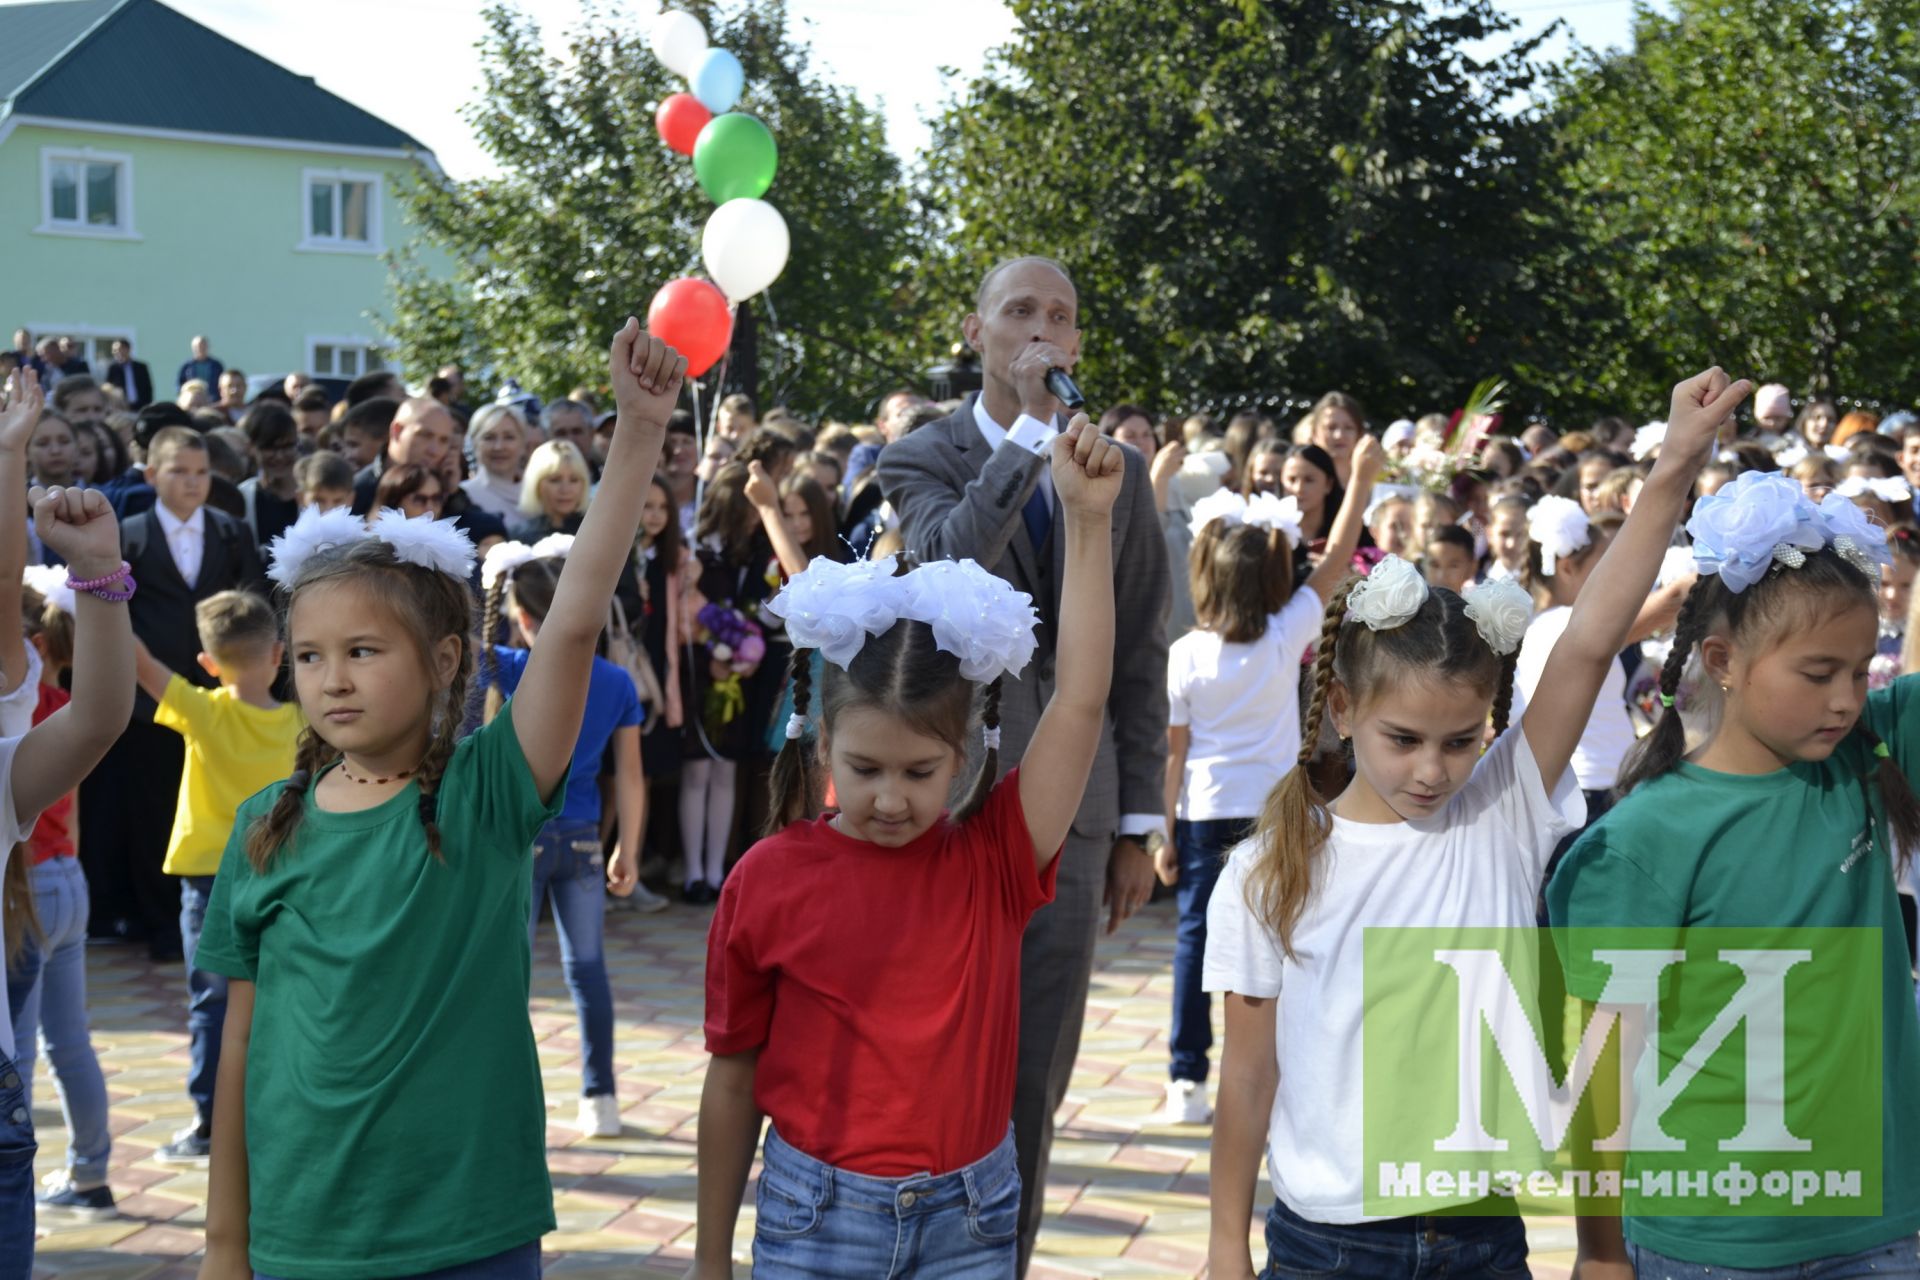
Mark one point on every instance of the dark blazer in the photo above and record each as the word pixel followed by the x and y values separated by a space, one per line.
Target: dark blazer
pixel 141 394
pixel 162 607
pixel 959 499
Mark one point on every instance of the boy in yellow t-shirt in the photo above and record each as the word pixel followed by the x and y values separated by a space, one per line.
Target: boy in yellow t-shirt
pixel 240 739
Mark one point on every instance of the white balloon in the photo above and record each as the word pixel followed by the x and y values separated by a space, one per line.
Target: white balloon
pixel 745 246
pixel 679 41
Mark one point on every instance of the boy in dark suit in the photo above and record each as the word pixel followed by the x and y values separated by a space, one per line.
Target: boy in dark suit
pixel 182 552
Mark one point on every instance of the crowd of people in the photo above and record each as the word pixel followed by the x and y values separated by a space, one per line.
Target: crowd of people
pixel 1306 677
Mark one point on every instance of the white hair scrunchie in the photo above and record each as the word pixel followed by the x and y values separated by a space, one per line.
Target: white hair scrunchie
pixel 1388 596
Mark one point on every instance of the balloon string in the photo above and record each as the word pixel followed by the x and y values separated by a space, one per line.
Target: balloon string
pixel 700 430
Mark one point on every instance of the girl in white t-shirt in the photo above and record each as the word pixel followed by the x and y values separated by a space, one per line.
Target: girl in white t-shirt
pixel 1233 686
pixel 1430 832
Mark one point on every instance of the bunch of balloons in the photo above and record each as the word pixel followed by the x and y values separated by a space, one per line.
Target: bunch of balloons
pixel 745 244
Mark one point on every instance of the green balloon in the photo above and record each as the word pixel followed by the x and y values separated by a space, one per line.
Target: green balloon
pixel 734 158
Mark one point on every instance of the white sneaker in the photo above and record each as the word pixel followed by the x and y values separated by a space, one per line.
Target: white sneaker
pixel 600 1116
pixel 1186 1103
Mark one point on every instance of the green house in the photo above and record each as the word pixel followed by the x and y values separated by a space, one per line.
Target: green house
pixel 159 181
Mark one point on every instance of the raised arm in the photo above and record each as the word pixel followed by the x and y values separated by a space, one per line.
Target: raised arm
pixel 975 523
pixel 1349 521
pixel 647 375
pixel 1087 473
pixel 765 497
pixel 20 407
pixel 1612 598
pixel 79 525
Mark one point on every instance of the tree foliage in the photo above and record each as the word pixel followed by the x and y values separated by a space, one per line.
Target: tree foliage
pixel 1260 199
pixel 1740 187
pixel 591 213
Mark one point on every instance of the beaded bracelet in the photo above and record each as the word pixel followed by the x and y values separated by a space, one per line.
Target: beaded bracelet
pixel 104 587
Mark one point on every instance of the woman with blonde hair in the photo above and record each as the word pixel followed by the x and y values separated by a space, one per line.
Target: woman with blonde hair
pixel 554 493
pixel 498 440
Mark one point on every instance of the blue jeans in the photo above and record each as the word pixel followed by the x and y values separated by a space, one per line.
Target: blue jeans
pixel 1203 848
pixel 519 1263
pixel 16 1174
pixel 53 1008
pixel 1899 1260
pixel 816 1221
pixel 206 1001
pixel 1400 1248
pixel 570 870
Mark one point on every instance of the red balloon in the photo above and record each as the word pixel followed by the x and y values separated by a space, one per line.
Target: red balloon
pixel 680 119
pixel 693 317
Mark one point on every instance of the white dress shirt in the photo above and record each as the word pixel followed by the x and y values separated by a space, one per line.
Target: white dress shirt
pixel 1036 437
pixel 186 539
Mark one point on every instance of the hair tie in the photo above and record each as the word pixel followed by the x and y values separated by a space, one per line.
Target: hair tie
pixel 1880 749
pixel 991 737
pixel 1666 700
pixel 297 781
pixel 796 727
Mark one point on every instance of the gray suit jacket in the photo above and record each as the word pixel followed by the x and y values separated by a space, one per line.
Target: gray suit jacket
pixel 958 499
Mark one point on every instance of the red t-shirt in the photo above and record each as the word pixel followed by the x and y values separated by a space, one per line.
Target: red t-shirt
pixel 53 834
pixel 881 986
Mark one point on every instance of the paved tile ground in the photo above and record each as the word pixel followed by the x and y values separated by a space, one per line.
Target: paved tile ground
pixel 1126 1198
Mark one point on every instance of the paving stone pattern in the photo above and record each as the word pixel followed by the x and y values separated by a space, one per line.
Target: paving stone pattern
pixel 1127 1197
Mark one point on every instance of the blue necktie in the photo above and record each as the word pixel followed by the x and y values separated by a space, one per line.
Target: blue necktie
pixel 1038 514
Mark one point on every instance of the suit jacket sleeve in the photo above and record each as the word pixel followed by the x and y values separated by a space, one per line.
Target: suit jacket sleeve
pixel 941 522
pixel 1137 704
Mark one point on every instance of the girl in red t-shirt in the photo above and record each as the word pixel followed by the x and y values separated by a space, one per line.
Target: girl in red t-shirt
pixel 863 971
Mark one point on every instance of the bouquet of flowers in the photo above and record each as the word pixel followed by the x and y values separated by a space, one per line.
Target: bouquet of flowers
pixel 1433 466
pixel 735 648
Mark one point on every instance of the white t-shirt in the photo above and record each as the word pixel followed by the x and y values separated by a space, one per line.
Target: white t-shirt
pixel 1477 863
pixel 1609 733
pixel 18 704
pixel 13 831
pixel 1242 705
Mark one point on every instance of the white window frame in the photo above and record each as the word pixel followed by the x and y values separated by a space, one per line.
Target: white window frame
pixel 49 156
pixel 88 333
pixel 367 346
pixel 311 243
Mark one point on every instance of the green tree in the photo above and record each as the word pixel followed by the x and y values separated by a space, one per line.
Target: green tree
pixel 1741 184
pixel 591 213
pixel 1260 199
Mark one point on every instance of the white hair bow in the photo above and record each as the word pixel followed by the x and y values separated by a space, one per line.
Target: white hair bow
pixel 1560 527
pixel 1886 488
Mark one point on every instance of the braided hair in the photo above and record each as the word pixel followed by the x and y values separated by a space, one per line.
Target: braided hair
pixel 432 607
pixel 1755 617
pixel 1439 640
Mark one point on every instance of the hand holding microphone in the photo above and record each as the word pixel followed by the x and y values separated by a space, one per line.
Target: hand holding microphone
pixel 1041 374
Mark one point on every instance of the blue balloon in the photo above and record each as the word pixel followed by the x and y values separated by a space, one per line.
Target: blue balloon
pixel 718 81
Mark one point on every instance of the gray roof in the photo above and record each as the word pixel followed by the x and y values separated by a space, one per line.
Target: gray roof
pixel 139 63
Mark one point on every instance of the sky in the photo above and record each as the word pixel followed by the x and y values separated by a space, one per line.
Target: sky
pixel 892 52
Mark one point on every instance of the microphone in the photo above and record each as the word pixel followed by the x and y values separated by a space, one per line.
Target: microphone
pixel 1063 389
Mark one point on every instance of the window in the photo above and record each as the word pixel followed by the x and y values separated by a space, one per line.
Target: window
pixel 86 193
pixel 341 212
pixel 342 357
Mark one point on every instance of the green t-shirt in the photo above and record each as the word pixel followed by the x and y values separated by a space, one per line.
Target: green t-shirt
pixel 395 1119
pixel 1796 847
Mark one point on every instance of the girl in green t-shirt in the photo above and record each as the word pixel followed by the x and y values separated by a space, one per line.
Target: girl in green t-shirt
pixel 1778 819
pixel 378 1110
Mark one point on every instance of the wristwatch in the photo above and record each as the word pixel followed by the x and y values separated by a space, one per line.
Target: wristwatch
pixel 1153 842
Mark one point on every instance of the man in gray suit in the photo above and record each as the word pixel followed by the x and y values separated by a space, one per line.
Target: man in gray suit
pixel 974 486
